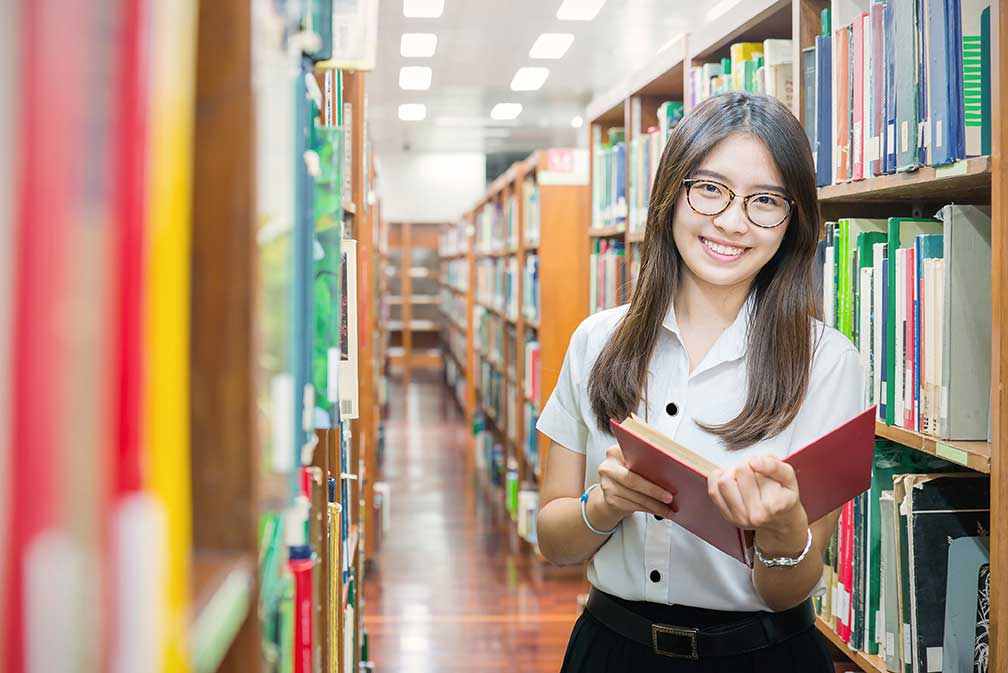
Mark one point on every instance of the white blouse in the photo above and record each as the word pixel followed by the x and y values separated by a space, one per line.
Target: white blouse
pixel 654 560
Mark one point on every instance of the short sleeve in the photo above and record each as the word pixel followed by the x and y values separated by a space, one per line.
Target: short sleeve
pixel 561 419
pixel 835 393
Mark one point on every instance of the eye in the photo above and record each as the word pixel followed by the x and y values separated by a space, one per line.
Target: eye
pixel 709 188
pixel 765 200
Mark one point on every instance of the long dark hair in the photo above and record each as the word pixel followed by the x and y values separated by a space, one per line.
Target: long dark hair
pixel 780 335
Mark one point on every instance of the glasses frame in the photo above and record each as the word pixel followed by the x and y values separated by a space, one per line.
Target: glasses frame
pixel 689 182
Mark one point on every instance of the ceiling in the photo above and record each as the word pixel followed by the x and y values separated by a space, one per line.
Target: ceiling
pixel 482 43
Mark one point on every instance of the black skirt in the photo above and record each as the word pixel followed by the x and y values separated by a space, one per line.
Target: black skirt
pixel 594 648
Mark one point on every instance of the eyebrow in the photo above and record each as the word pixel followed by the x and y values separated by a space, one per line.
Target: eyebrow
pixel 719 176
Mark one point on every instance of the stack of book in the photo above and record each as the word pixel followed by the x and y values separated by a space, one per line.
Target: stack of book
pixel 755 67
pixel 904 85
pixel 609 202
pixel 914 295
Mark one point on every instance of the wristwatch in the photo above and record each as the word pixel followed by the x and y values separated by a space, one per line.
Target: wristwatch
pixel 785 561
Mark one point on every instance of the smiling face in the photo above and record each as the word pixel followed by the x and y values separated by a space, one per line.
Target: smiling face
pixel 727 250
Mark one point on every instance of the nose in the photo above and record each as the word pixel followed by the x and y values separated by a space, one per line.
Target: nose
pixel 733 220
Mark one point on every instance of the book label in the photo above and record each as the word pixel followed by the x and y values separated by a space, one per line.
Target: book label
pixel 905 136
pixel 951 453
pixel 934 660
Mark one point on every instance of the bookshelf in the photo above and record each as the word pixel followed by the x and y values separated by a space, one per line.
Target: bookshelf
pixel 517 236
pixel 412 281
pixel 981 180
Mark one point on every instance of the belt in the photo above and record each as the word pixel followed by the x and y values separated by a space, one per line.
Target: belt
pixel 748 635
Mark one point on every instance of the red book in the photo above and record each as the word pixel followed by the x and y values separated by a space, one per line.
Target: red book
pixel 831 470
pixel 877 85
pixel 857 101
pixel 846 569
pixel 841 104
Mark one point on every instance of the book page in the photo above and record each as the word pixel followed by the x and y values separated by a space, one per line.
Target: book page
pixel 669 445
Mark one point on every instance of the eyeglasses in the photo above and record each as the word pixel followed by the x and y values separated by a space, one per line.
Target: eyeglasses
pixel 764 209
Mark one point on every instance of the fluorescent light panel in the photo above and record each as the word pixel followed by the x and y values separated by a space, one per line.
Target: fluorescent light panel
pixel 412 112
pixel 415 77
pixel 417 45
pixel 529 79
pixel 505 111
pixel 577 122
pixel 551 45
pixel 579 10
pixel 422 9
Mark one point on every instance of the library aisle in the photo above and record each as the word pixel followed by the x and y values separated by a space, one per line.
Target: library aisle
pixel 453 592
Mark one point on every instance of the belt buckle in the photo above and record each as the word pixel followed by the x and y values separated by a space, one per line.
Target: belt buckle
pixel 682 634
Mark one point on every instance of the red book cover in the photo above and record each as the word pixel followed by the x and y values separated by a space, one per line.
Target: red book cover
pixel 846 571
pixel 830 471
pixel 858 79
pixel 909 267
pixel 841 105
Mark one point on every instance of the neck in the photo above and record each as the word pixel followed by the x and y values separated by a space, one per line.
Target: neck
pixel 700 302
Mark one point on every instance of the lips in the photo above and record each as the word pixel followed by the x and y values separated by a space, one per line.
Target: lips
pixel 722 250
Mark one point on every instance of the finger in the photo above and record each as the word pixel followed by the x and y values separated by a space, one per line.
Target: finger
pixel 776 469
pixel 643 502
pixel 751 497
pixel 634 481
pixel 715 495
pixel 733 499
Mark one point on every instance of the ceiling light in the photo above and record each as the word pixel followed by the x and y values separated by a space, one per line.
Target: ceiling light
pixel 417 45
pixel 422 9
pixel 415 77
pixel 719 10
pixel 551 45
pixel 579 10
pixel 412 112
pixel 505 111
pixel 529 79
pixel 577 122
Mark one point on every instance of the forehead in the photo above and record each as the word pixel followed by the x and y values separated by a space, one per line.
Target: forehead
pixel 745 162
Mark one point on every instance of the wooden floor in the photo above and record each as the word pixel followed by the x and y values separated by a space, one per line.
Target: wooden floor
pixel 452 590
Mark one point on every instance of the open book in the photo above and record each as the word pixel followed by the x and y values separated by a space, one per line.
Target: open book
pixel 830 471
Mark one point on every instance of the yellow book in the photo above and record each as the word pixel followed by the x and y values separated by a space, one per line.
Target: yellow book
pixel 741 52
pixel 166 320
pixel 335 571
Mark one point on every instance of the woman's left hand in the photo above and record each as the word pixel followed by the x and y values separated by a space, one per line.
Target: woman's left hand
pixel 760 494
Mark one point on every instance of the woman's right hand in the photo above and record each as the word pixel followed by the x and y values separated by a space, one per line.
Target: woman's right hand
pixel 625 492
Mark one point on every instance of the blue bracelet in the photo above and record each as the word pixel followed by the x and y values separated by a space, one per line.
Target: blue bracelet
pixel 584 515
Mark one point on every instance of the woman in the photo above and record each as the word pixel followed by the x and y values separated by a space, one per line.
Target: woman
pixel 720 350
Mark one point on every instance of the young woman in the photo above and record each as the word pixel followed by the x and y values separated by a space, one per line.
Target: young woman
pixel 719 349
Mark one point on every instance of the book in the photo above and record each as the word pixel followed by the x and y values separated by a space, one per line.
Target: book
pixel 966 326
pixel 346 374
pixel 905 74
pixel 823 145
pixel 938 509
pixel 878 90
pixel 808 64
pixel 889 51
pixel 841 104
pixel 967 605
pixel 742 52
pixel 825 481
pixel 975 68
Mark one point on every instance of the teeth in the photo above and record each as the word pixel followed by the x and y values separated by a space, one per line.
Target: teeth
pixel 722 249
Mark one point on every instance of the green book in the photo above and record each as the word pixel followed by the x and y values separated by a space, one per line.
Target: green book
pixel 846 242
pixel 901 232
pixel 864 258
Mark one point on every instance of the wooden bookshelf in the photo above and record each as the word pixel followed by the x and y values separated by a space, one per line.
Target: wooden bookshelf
pixel 867 662
pixel 979 180
pixel 561 198
pixel 223 584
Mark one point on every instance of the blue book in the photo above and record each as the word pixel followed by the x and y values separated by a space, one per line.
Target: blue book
pixel 889 155
pixel 823 148
pixel 926 246
pixel 944 93
pixel 884 312
pixel 923 85
pixel 620 201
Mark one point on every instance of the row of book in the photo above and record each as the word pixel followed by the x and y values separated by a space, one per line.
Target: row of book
pixel 453 308
pixel 497 284
pixel 455 274
pixel 531 448
pixel 645 152
pixel 531 212
pixel 903 85
pixel 530 287
pixel 497 226
pixel 907 572
pixel 607 274
pixel 756 67
pixel 452 240
pixel 490 335
pixel 609 189
pixel 914 295
pixel 489 451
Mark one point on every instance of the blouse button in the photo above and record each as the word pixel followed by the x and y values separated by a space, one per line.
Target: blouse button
pixel 671 409
pixel 655 576
pixel 657 518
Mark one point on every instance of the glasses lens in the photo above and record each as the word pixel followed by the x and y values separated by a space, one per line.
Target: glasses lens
pixel 708 198
pixel 767 210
